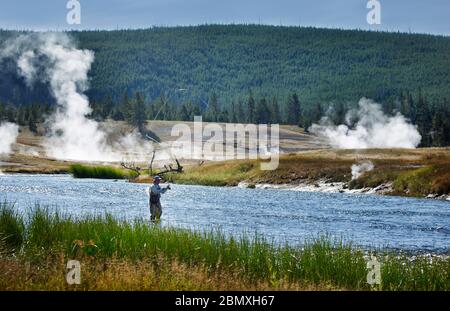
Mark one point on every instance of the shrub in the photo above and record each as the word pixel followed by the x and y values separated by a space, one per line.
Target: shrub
pixel 100 172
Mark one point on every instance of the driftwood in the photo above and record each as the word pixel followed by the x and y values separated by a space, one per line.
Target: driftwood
pixel 150 166
pixel 167 168
pixel 132 167
pixel 170 169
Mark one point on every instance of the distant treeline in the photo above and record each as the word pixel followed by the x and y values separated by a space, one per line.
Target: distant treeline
pixel 431 117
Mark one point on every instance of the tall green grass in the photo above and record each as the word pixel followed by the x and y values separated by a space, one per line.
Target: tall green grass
pixel 100 172
pixel 12 227
pixel 434 179
pixel 322 261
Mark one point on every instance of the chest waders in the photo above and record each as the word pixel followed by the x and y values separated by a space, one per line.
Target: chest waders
pixel 155 198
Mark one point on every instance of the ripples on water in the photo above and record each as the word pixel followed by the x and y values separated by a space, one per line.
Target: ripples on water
pixel 280 215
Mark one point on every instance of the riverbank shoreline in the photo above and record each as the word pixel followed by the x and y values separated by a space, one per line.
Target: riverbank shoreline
pixel 421 173
pixel 323 186
pixel 117 254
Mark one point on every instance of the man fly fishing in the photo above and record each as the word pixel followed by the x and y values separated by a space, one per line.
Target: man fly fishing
pixel 155 199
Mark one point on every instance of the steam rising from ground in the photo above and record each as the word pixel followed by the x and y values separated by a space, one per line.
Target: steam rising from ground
pixel 359 169
pixel 54 58
pixel 373 129
pixel 8 136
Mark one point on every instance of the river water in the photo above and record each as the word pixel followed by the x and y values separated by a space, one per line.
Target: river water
pixel 369 221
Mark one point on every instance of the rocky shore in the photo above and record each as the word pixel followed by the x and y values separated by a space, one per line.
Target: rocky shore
pixel 333 187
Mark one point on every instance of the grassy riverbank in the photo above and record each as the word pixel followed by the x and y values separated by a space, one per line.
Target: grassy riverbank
pixel 417 172
pixel 118 255
pixel 100 172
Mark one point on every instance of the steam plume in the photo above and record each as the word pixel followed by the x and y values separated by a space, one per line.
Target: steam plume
pixel 8 135
pixel 359 169
pixel 54 58
pixel 373 129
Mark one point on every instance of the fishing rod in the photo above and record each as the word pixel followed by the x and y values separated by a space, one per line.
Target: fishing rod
pixel 165 102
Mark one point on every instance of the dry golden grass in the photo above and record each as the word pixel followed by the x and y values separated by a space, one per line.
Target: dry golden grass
pixel 126 275
pixel 29 154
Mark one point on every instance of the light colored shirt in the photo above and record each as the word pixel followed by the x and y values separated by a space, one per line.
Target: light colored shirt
pixel 156 189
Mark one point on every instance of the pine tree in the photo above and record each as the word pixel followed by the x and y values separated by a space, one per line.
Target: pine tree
pixel 197 110
pixel 275 112
pixel 2 112
pixel 339 113
pixel 168 110
pixel 32 118
pixel 138 115
pixel 232 112
pixel 21 115
pixel 212 112
pixel 423 120
pixel 240 113
pixel 223 116
pixel 251 109
pixel 126 108
pixel 183 113
pixel 445 132
pixel 440 130
pixel 107 107
pixel 293 110
pixel 317 113
pixel 32 124
pixel 412 108
pixel 262 112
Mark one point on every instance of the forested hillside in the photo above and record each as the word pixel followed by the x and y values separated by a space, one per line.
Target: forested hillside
pixel 254 71
pixel 318 64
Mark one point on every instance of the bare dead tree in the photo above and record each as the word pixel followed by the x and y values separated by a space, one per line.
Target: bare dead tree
pixel 179 167
pixel 150 166
pixel 170 169
pixel 132 167
pixel 167 168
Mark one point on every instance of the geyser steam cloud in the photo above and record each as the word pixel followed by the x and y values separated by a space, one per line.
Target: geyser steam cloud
pixel 8 136
pixel 53 58
pixel 361 168
pixel 374 129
